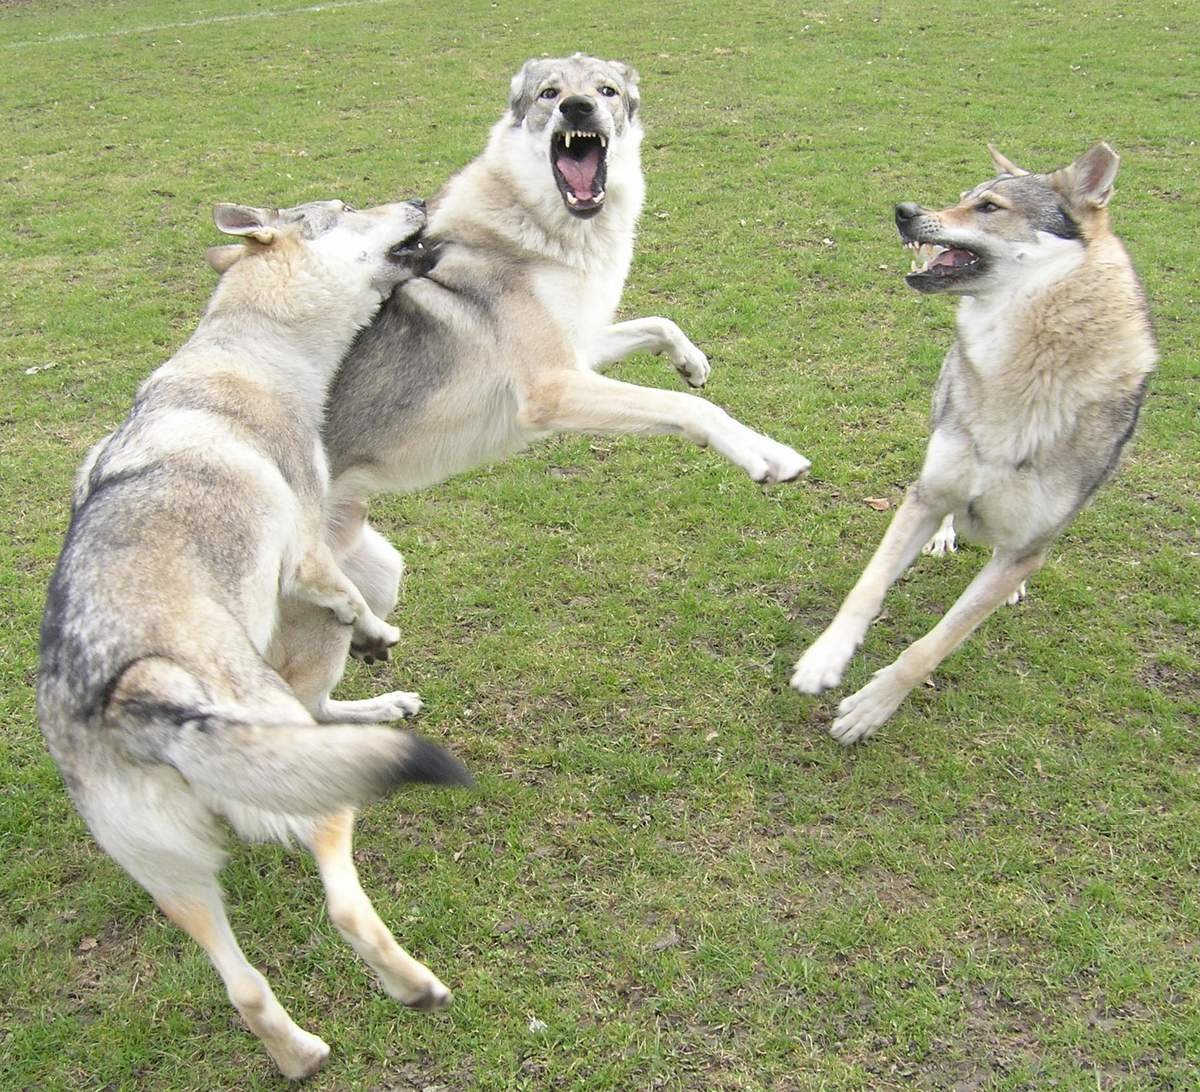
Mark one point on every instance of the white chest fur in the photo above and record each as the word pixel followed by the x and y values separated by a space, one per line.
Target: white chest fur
pixel 581 303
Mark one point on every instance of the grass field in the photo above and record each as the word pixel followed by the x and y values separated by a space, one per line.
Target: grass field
pixel 667 861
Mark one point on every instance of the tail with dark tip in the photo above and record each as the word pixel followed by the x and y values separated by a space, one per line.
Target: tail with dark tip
pixel 294 769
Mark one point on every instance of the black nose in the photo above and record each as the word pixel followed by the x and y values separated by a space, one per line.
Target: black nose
pixel 907 210
pixel 577 108
pixel 417 202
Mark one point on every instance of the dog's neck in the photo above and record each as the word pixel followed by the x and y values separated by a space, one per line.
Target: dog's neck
pixel 1080 312
pixel 296 353
pixel 988 322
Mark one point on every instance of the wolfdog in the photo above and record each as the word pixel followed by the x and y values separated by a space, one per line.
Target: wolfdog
pixel 502 343
pixel 1037 397
pixel 188 521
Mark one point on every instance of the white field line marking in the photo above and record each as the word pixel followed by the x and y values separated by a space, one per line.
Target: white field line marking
pixel 210 21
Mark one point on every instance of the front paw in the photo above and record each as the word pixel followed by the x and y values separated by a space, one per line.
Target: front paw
pixel 372 639
pixel 780 462
pixel 396 705
pixel 864 711
pixel 693 365
pixel 821 667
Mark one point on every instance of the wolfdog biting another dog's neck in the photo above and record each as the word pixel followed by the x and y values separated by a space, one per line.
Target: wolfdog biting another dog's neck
pixel 190 522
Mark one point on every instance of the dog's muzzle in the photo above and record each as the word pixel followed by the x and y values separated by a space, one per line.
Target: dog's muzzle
pixel 937 265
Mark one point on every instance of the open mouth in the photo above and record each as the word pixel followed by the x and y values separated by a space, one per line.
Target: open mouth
pixel 935 266
pixel 414 253
pixel 579 160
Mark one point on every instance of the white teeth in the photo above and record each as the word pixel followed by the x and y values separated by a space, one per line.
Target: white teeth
pixel 926 252
pixel 598 196
pixel 569 135
pixel 572 199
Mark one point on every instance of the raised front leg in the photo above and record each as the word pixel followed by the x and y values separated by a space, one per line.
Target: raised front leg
pixel 575 401
pixel 309 649
pixel 409 982
pixel 861 713
pixel 822 665
pixel 319 580
pixel 651 335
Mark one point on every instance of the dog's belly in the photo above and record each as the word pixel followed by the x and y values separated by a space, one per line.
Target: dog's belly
pixel 994 502
pixel 452 440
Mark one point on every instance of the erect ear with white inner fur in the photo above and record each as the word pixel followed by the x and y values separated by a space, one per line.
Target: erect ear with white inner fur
pixel 258 224
pixel 1092 176
pixel 222 257
pixel 1003 163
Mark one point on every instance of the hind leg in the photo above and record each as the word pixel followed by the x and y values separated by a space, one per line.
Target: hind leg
pixel 148 820
pixel 409 982
pixel 201 915
pixel 944 540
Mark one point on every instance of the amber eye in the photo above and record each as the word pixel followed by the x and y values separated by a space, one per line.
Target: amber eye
pixel 608 92
pixel 987 206
pixel 549 93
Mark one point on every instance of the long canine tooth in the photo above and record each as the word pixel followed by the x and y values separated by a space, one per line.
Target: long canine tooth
pixel 598 196
pixel 572 199
pixel 603 142
pixel 567 138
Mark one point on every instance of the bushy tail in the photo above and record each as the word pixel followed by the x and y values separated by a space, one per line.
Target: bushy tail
pixel 306 769
pixel 296 769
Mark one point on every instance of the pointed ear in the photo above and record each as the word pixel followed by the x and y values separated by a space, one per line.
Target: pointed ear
pixel 633 98
pixel 1003 164
pixel 222 257
pixel 520 91
pixel 258 224
pixel 1089 180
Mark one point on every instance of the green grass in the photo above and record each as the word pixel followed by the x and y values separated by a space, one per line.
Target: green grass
pixel 667 861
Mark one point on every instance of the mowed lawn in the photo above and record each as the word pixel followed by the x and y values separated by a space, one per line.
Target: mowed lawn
pixel 669 875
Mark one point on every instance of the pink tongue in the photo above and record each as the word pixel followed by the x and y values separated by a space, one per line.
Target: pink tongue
pixel 580 173
pixel 953 258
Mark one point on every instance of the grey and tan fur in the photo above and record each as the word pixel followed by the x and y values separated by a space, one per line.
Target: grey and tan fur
pixel 504 343
pixel 1036 398
pixel 188 522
